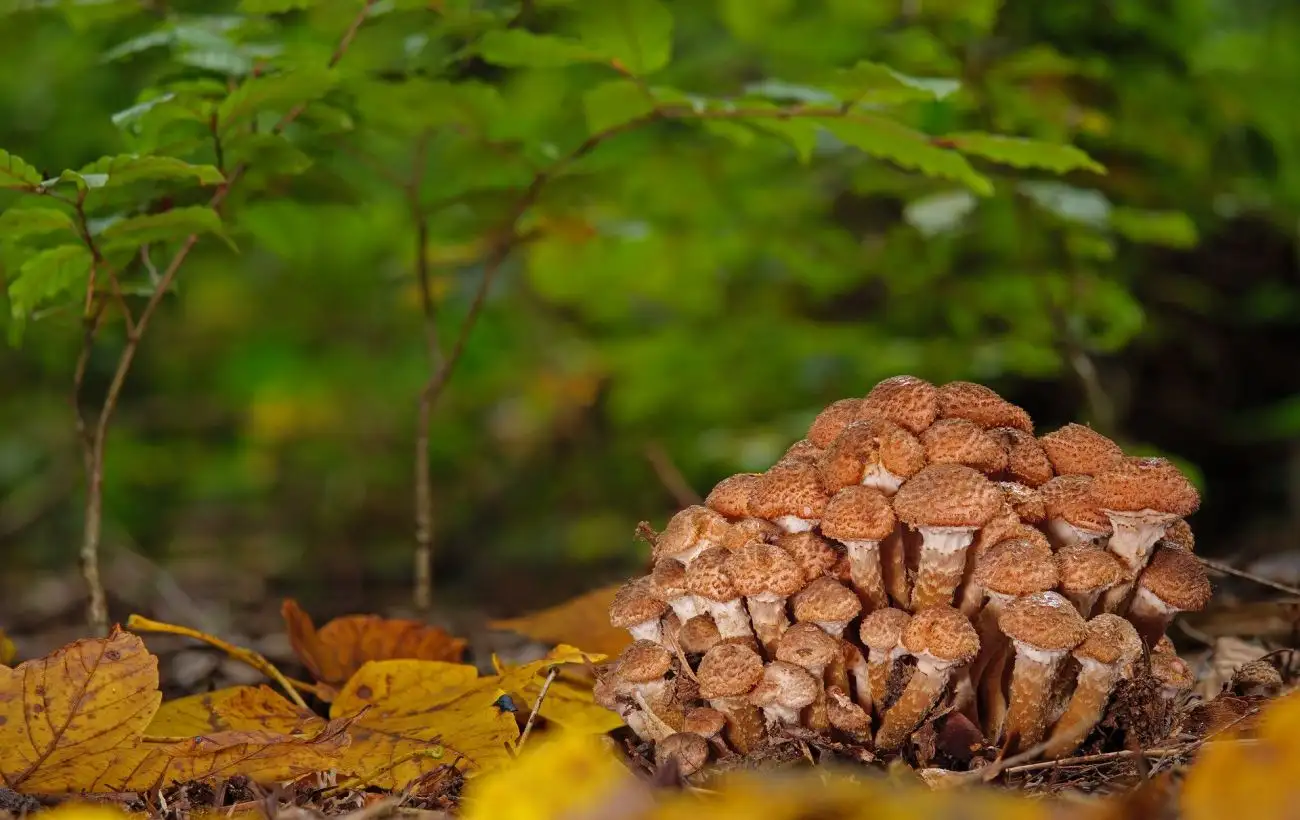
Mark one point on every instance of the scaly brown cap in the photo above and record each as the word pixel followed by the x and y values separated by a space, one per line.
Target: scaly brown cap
pixel 703 721
pixel 1016 567
pixel 844 714
pixel 858 513
pixel 1164 645
pixel 792 488
pixel 866 443
pixel 1176 577
pixel 882 630
pixel 802 450
pixel 960 441
pixel 1070 498
pixel 759 568
pixel 807 645
pixel 1027 463
pixel 668 578
pixel 1110 640
pixel 687 529
pixel 644 661
pixel 1087 568
pixel 698 635
pixel 1133 484
pixel 730 496
pixel 944 633
pixel 967 400
pixel 1179 535
pixel 815 555
pixel 907 401
pixel 1077 449
pixel 751 529
pixel 947 495
pixel 1171 670
pixel 706 577
pixel 1044 620
pixel 636 603
pixel 729 670
pixel 833 419
pixel 826 599
pixel 785 684
pixel 689 750
pixel 1029 504
pixel 1033 535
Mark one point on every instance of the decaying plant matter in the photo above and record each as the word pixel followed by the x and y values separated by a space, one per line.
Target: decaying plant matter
pixel 920 553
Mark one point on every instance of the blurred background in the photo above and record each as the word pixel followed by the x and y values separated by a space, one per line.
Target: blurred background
pixel 687 301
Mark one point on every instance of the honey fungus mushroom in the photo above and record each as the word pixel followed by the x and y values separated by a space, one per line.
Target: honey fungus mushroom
pixel 860 518
pixel 907 401
pixel 789 495
pixel 940 638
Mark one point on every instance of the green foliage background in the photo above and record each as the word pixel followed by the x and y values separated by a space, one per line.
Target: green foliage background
pixel 688 293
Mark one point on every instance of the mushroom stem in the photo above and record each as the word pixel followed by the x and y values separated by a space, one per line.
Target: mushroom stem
pixel 920 696
pixel 793 523
pixel 1150 615
pixel 866 573
pixel 941 566
pixel 1087 703
pixel 647 631
pixel 1085 602
pixel 875 475
pixel 730 618
pixel 879 668
pixel 1032 677
pixel 893 563
pixel 746 727
pixel 767 613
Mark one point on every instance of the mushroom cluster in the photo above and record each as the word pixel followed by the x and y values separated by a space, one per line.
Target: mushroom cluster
pixel 919 550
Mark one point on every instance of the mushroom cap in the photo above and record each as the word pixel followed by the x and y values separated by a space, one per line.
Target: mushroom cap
pixel 759 568
pixel 689 750
pixel 1176 577
pixel 947 495
pixel 882 630
pixel 1171 670
pixel 1027 501
pixel 1016 567
pixel 802 450
pixel 792 488
pixel 980 404
pixel 807 645
pixel 1044 620
pixel 750 529
pixel 832 419
pixel 1179 535
pixel 698 635
pixel 703 721
pixel 960 441
pixel 1257 677
pixel 1085 568
pixel 1133 484
pixel 635 603
pixel 858 513
pixel 707 578
pixel 826 599
pixel 687 528
pixel 865 443
pixel 643 661
pixel 907 401
pixel 844 714
pixel 730 496
pixel 1110 640
pixel 1070 498
pixel 1164 645
pixel 728 670
pixel 1033 535
pixel 815 555
pixel 1077 449
pixel 668 578
pixel 942 632
pixel 1027 463
pixel 785 684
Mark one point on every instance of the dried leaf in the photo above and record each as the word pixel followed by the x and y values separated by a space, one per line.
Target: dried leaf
pixel 404 708
pixel 64 718
pixel 569 702
pixel 582 621
pixel 345 644
pixel 1258 776
pixel 238 708
pixel 73 810
pixel 8 652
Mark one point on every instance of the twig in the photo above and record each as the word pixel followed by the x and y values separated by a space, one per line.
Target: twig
pixel 537 705
pixel 1228 569
pixel 671 477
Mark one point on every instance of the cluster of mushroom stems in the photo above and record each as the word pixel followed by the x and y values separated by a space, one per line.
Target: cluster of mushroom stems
pixel 919 552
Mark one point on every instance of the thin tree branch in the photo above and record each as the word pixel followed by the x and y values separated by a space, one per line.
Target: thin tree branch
pixel 670 476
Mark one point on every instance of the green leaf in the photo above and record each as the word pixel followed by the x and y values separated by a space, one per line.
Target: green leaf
pixel 908 149
pixel 636 33
pixel 126 169
pixel 276 92
pixel 48 275
pixel 1173 229
pixel 1024 153
pixel 800 134
pixel 517 48
pixel 273 6
pixel 614 103
pixel 16 174
pixel 167 226
pixel 874 83
pixel 17 223
pixel 267 154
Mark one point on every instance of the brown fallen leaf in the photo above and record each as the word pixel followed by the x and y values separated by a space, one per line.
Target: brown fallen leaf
pixel 65 718
pixel 581 621
pixel 341 647
pixel 238 708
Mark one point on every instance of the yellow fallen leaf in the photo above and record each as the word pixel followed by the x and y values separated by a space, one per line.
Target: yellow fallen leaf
pixel 335 652
pixel 1259 776
pixel 7 649
pixel 73 810
pixel 65 718
pixel 238 708
pixel 408 707
pixel 582 621
pixel 569 702
pixel 562 775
